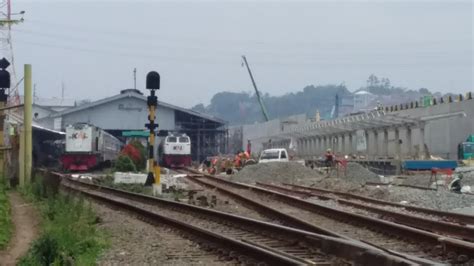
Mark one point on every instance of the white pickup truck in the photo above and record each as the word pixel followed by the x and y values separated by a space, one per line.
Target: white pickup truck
pixel 273 155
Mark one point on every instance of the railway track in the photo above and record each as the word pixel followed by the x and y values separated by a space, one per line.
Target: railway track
pixel 383 234
pixel 234 236
pixel 431 213
pixel 397 216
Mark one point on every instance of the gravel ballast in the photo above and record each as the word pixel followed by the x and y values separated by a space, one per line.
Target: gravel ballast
pixel 134 242
pixel 276 172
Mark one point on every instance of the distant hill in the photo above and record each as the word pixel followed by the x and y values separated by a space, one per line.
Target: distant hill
pixel 243 107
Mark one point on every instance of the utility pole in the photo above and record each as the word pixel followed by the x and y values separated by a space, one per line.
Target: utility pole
pixel 27 124
pixel 260 101
pixel 135 78
pixel 7 19
pixel 153 177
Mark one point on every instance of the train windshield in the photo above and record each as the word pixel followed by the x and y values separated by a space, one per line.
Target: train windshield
pixel 468 147
pixel 172 139
pixel 183 139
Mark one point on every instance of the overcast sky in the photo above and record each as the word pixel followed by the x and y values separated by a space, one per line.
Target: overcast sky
pixel 92 46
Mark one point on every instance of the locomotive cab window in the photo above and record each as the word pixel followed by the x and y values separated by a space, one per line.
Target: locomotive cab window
pixel 172 139
pixel 183 140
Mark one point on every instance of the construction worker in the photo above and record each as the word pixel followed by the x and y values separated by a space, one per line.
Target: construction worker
pixel 249 147
pixel 455 184
pixel 329 158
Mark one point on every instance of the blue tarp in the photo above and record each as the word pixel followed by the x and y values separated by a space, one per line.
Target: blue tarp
pixel 429 164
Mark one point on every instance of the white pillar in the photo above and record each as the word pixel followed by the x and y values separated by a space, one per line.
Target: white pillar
pixel 408 138
pixel 385 143
pixel 422 142
pixel 340 144
pixel 376 144
pixel 398 146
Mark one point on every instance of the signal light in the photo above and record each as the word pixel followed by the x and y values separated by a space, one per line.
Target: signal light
pixel 153 80
pixel 4 74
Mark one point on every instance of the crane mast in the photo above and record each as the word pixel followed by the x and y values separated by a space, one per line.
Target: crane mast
pixel 260 100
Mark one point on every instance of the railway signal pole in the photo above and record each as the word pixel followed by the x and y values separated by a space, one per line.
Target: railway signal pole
pixel 4 85
pixel 152 84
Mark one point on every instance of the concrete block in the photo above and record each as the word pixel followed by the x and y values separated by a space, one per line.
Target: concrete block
pixel 129 178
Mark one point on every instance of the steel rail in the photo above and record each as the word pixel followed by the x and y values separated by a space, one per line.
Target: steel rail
pixel 356 252
pixel 448 216
pixel 444 228
pixel 448 244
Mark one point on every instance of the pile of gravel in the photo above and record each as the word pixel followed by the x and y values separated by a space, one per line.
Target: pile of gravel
pixel 290 172
pixel 358 174
pixel 440 200
pixel 468 176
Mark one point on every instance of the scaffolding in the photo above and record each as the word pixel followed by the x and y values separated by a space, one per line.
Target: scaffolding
pixel 209 136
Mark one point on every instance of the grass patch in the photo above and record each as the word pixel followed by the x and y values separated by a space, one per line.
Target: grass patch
pixel 5 217
pixel 69 230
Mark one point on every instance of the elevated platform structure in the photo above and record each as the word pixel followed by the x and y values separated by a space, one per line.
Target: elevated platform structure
pixel 414 132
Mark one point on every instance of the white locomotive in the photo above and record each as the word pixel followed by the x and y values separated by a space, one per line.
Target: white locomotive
pixel 88 146
pixel 175 151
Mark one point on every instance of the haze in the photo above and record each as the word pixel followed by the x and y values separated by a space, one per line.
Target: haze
pixel 92 47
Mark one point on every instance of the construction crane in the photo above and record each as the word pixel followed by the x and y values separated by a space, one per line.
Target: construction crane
pixel 260 100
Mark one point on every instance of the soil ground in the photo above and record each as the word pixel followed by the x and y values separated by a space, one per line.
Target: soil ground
pixel 25 222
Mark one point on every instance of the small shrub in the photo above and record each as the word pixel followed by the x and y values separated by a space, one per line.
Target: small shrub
pixel 132 152
pixel 143 153
pixel 69 236
pixel 5 217
pixel 125 164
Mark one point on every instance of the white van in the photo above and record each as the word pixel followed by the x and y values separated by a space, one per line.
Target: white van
pixel 273 155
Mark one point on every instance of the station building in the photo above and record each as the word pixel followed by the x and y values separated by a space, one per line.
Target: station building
pixel 128 111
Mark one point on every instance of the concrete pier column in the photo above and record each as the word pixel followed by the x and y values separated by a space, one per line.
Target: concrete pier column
pixel 307 145
pixel 376 144
pixel 422 142
pixel 340 144
pixel 304 146
pixel 398 144
pixel 418 142
pixel 385 142
pixel 309 150
pixel 351 143
pixel 320 145
pixel 343 144
pixel 392 147
pixel 334 143
pixel 314 148
pixel 347 142
pixel 370 143
pixel 408 139
pixel 299 147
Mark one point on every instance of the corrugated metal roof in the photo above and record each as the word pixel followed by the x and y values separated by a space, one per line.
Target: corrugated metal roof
pixel 51 102
pixel 18 119
pixel 140 97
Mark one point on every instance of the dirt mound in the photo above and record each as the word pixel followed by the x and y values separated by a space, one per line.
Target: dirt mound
pixel 290 172
pixel 440 200
pixel 358 174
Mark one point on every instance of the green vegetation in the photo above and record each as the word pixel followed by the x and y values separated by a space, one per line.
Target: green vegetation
pixel 5 217
pixel 124 164
pixel 243 107
pixel 69 232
